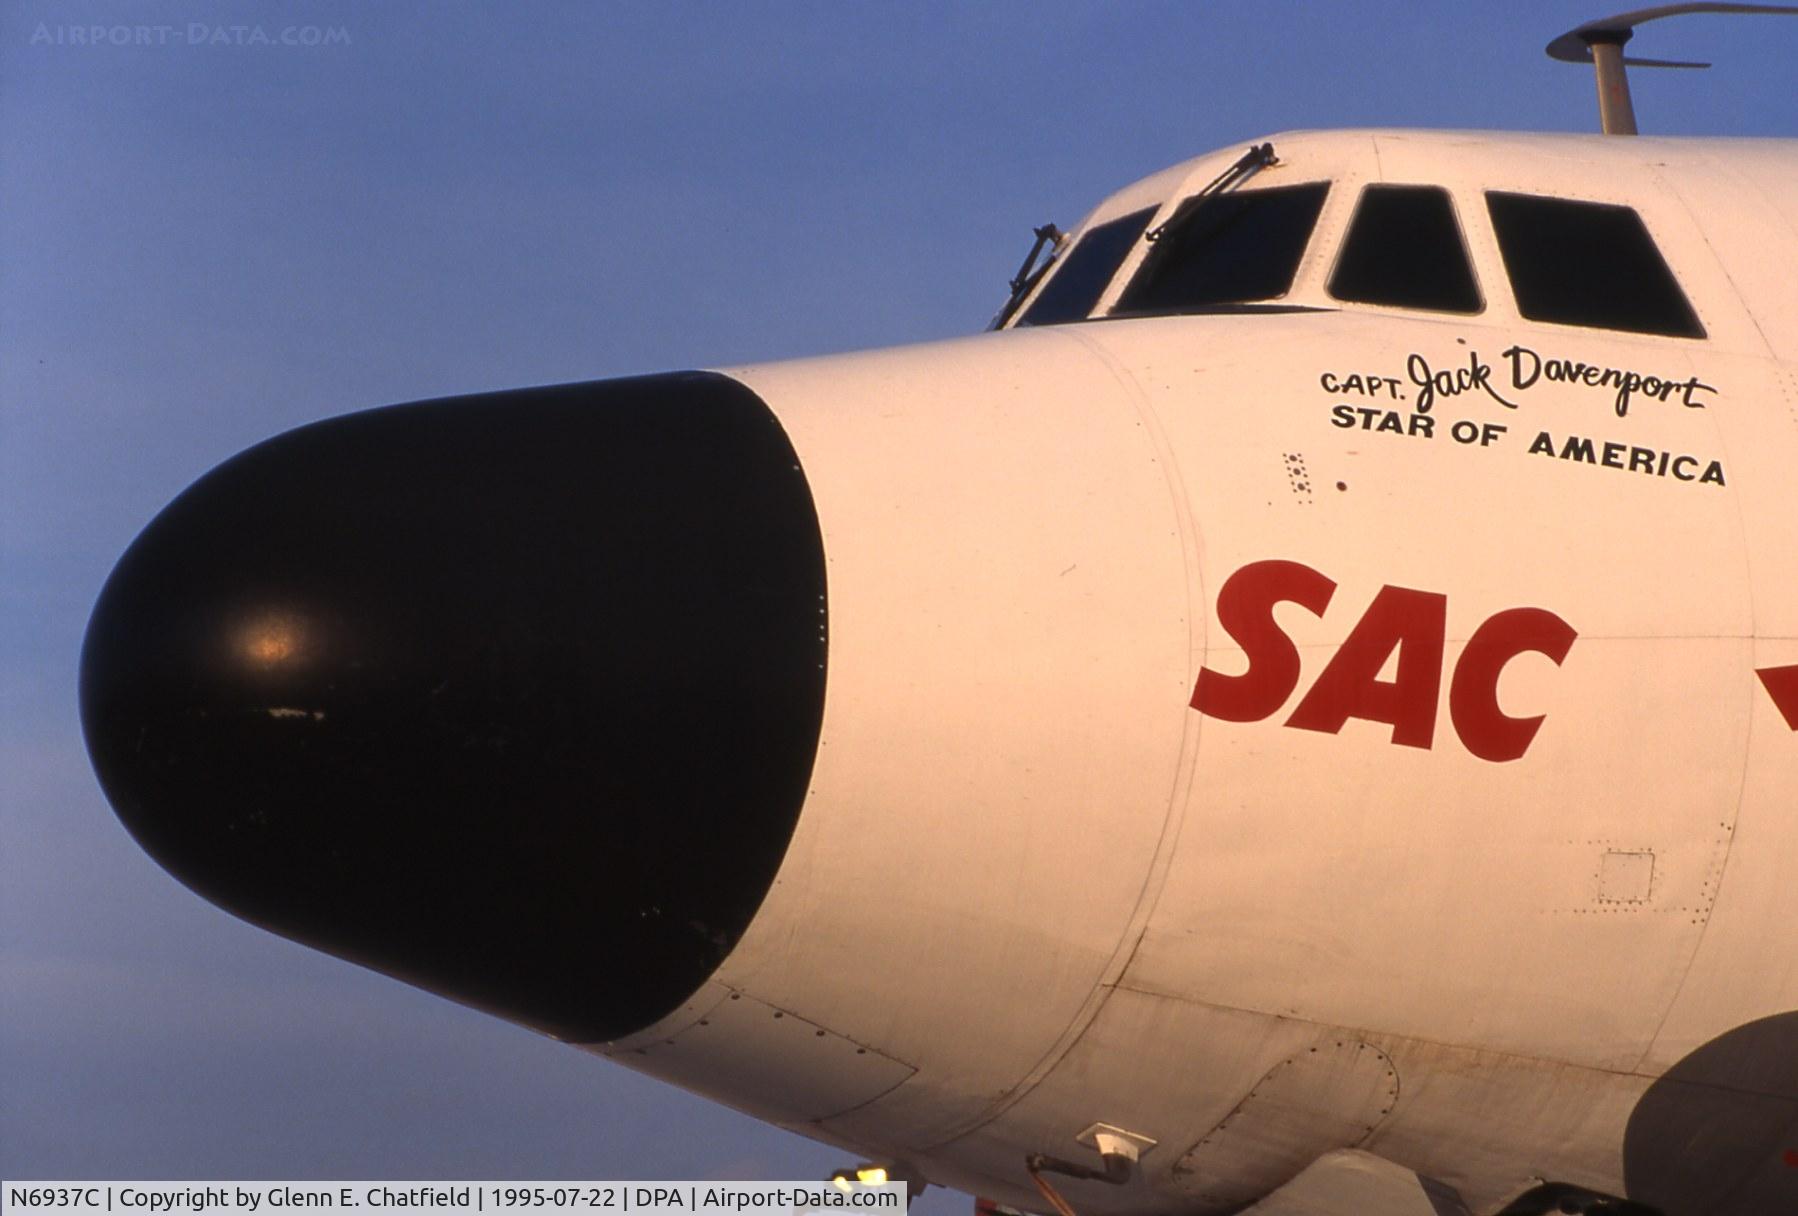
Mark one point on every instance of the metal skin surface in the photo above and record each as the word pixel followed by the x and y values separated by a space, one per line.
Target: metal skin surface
pixel 1280 734
pixel 1050 892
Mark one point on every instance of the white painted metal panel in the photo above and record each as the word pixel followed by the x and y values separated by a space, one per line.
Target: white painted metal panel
pixel 1010 644
pixel 1017 821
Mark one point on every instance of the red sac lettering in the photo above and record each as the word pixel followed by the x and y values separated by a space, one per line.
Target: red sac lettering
pixel 1486 730
pixel 1245 608
pixel 1400 619
pixel 1413 623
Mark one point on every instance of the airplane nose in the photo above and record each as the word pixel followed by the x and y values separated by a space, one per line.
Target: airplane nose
pixel 514 697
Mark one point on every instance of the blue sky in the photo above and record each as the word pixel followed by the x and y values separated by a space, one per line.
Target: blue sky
pixel 204 243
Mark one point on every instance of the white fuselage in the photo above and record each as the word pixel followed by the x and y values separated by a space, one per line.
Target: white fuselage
pixel 1034 888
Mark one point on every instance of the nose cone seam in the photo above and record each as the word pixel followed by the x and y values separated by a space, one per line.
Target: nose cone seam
pixel 514 696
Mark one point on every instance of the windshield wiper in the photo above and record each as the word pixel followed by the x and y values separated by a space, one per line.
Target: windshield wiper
pixel 1247 165
pixel 1029 274
pixel 1026 278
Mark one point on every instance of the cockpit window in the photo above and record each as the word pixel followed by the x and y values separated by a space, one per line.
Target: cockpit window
pixel 1404 248
pixel 1593 264
pixel 1077 284
pixel 1228 248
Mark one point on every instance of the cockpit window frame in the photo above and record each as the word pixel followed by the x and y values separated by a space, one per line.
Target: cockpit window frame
pixel 1138 218
pixel 1120 305
pixel 1691 327
pixel 1469 263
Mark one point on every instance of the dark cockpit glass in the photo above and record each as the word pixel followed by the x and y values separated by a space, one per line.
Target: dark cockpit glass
pixel 1230 248
pixel 1591 264
pixel 1404 248
pixel 1076 285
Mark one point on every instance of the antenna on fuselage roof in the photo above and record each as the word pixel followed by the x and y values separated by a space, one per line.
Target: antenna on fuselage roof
pixel 1600 43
